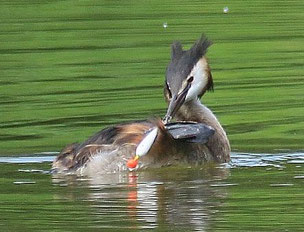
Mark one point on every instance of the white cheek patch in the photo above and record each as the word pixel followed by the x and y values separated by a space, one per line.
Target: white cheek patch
pixel 200 79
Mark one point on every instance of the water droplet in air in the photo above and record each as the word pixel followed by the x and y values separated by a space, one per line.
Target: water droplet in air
pixel 225 10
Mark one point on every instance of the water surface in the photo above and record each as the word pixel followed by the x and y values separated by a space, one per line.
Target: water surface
pixel 256 192
pixel 70 68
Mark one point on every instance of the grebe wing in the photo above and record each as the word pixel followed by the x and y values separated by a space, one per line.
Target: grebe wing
pixel 190 131
pixel 119 140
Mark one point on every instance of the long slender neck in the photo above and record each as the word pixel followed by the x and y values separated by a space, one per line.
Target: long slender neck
pixel 218 144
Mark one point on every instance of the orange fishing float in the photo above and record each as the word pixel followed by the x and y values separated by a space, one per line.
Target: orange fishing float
pixel 132 163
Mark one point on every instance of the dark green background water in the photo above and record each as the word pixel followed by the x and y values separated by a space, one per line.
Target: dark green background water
pixel 70 68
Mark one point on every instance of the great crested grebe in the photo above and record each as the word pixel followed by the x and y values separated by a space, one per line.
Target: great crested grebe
pixel 200 139
pixel 188 77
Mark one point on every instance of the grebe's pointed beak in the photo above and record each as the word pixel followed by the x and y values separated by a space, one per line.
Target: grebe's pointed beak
pixel 176 102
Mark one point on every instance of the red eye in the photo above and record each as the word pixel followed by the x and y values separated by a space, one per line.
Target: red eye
pixel 190 79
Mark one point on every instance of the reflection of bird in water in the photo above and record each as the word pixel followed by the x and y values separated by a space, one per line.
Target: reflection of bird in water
pixel 188 77
pixel 156 198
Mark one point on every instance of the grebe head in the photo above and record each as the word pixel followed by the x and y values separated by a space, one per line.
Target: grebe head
pixel 188 75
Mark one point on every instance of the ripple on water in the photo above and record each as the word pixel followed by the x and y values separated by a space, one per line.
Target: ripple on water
pixel 265 160
pixel 39 158
pixel 298 177
pixel 237 160
pixel 34 171
pixel 21 182
pixel 281 185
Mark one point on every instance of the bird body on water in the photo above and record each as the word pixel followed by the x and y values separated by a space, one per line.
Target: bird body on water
pixel 188 77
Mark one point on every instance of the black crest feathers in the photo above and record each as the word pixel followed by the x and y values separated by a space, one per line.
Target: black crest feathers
pixel 176 50
pixel 199 49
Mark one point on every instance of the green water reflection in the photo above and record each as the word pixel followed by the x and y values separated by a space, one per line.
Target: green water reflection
pixel 69 68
